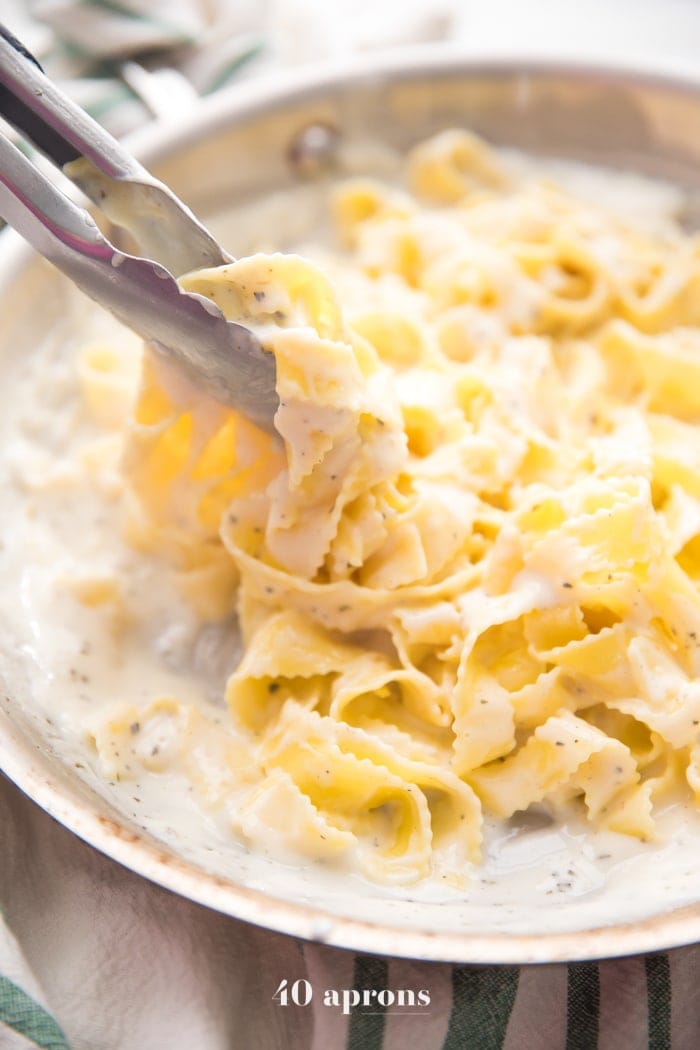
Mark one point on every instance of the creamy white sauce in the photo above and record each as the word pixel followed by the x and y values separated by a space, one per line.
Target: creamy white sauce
pixel 57 524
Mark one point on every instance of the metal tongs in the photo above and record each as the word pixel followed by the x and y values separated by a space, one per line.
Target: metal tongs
pixel 140 290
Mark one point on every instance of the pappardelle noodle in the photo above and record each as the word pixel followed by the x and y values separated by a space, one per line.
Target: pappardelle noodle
pixel 467 573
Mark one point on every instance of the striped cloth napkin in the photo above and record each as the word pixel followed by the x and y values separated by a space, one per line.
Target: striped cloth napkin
pixel 91 956
pixel 104 960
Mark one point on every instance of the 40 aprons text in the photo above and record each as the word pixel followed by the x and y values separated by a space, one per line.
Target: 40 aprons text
pixel 301 993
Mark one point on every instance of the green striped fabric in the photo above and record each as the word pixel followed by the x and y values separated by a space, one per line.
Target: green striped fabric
pixel 582 1006
pixel 481 1007
pixel 366 1030
pixel 23 1016
pixel 482 1001
pixel 658 976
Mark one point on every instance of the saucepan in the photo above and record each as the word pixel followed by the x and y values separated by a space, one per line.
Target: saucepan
pixel 251 141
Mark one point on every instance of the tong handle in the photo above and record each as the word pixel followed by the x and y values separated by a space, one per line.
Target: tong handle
pixel 141 291
pixel 21 116
pixel 222 356
pixel 49 119
pixel 163 227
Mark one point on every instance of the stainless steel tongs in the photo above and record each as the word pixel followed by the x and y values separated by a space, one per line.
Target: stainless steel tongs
pixel 140 290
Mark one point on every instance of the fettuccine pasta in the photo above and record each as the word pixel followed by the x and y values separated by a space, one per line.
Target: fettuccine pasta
pixel 467 571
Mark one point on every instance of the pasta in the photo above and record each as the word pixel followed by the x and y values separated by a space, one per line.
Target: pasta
pixel 467 573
